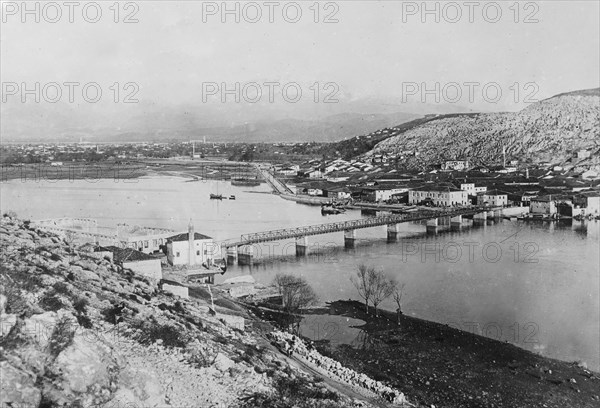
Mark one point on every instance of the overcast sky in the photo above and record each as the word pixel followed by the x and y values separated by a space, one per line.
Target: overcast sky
pixel 369 53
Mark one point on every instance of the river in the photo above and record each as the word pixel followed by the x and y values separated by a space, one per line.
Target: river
pixel 534 284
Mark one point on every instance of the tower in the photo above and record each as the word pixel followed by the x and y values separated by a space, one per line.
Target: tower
pixel 191 248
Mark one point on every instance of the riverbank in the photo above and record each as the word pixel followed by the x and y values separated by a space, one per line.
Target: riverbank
pixel 438 365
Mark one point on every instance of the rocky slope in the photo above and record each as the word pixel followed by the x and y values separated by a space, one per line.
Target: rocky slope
pixel 550 130
pixel 78 331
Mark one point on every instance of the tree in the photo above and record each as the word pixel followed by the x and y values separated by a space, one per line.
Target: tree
pixel 382 288
pixel 295 292
pixel 398 292
pixel 362 284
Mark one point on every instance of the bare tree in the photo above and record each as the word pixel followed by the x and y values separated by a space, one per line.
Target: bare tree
pixel 295 292
pixel 362 283
pixel 382 288
pixel 398 292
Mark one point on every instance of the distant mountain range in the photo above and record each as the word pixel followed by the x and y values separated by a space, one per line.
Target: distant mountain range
pixel 551 130
pixel 229 122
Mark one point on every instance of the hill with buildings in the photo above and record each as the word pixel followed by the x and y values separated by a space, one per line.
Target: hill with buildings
pixel 553 130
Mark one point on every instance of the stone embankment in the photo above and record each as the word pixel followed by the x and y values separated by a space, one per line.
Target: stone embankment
pixel 294 346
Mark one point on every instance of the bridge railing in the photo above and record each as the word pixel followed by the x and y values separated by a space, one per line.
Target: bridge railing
pixel 353 224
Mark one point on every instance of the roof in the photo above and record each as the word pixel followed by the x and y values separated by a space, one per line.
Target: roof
pixel 185 237
pixel 121 255
pixel 438 188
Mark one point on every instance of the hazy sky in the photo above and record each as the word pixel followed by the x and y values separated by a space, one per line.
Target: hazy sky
pixel 375 50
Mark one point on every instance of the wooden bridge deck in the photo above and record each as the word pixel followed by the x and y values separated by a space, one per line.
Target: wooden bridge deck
pixel 286 233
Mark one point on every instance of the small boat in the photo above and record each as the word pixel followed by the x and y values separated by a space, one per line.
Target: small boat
pixel 330 209
pixel 232 197
pixel 216 197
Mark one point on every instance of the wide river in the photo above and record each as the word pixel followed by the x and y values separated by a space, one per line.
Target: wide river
pixel 533 284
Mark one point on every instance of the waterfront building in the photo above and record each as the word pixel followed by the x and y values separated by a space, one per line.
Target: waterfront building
pixel 144 239
pixel 438 195
pixel 493 198
pixel 192 248
pixel 543 205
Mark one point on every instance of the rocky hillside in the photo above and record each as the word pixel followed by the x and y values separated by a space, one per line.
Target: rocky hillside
pixel 78 331
pixel 550 130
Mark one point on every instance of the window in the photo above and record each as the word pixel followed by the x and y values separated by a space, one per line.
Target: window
pixel 145 244
pixel 177 254
pixel 205 252
pixel 197 252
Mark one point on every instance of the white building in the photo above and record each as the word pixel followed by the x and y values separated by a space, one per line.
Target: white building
pixel 543 205
pixel 439 196
pixel 192 248
pixel 492 198
pixel 455 165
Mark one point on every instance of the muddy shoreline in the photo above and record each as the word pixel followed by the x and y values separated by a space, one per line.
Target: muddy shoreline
pixel 434 364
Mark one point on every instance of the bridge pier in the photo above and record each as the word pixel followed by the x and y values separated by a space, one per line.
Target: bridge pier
pixel 349 238
pixel 432 226
pixel 393 230
pixel 301 246
pixel 245 253
pixel 456 222
pixel 232 255
pixel 480 218
pixel 497 213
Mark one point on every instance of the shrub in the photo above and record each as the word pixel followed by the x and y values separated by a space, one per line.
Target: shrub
pixel 150 332
pixel 51 302
pixel 62 336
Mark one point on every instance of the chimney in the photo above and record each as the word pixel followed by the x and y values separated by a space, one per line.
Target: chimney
pixel 191 246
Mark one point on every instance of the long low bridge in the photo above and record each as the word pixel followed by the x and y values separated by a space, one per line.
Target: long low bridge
pixel 242 248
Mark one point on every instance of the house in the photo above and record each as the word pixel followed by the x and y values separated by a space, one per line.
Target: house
pixel 455 165
pixel 338 193
pixel 438 195
pixel 288 171
pixel 138 262
pixel 493 198
pixel 192 248
pixel 314 173
pixel 381 193
pixel 144 239
pixel 589 201
pixel 543 205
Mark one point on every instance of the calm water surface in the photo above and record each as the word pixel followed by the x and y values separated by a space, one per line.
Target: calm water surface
pixel 535 285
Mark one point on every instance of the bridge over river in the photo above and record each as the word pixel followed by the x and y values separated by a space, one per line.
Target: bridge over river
pixel 242 249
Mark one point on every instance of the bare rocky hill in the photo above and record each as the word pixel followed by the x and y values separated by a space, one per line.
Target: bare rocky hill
pixel 550 130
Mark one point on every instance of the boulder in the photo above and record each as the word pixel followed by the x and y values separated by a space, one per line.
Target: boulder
pixel 223 363
pixel 138 389
pixel 18 387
